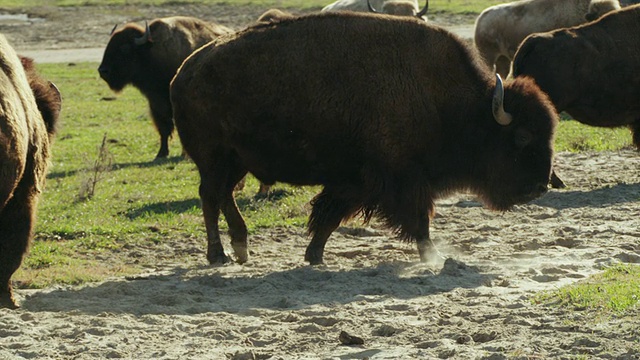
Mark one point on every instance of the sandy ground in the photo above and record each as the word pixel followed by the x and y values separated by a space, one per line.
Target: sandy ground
pixel 473 305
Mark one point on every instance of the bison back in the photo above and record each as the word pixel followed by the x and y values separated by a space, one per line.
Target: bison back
pixel 329 91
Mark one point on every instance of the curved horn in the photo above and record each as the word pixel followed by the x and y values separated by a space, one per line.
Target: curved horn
pixel 497 105
pixel 114 29
pixel 371 9
pixel 145 38
pixel 424 10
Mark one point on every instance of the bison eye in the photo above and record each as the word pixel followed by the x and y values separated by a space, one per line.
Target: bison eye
pixel 523 138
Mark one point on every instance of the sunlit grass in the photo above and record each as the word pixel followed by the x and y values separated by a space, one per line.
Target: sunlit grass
pixel 574 136
pixel 613 291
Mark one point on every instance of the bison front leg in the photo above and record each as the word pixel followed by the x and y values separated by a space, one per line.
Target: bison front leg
pixel 635 130
pixel 326 215
pixel 162 115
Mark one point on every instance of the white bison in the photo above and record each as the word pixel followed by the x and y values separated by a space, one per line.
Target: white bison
pixel 391 7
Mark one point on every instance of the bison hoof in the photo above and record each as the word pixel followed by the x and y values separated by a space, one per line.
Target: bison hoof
pixel 7 302
pixel 218 259
pixel 314 259
pixel 242 255
pixel 556 182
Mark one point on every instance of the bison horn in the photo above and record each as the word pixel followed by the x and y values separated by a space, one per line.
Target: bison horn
pixel 497 106
pixel 424 10
pixel 371 9
pixel 114 29
pixel 145 38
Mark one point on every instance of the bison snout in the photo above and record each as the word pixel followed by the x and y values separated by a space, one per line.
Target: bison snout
pixel 104 72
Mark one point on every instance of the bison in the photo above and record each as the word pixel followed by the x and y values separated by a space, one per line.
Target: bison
pixel 29 109
pixel 148 57
pixel 501 28
pixel 391 7
pixel 272 15
pixel 592 71
pixel 385 126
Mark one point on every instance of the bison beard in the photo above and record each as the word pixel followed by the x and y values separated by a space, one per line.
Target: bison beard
pixel 387 113
pixel 29 109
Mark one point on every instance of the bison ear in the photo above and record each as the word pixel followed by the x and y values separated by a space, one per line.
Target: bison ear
pixel 497 106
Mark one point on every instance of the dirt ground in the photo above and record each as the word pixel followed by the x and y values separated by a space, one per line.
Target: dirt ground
pixel 471 302
pixel 89 27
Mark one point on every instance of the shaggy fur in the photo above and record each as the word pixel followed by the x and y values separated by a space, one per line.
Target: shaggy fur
pixel 150 66
pixel 27 124
pixel 355 105
pixel 501 28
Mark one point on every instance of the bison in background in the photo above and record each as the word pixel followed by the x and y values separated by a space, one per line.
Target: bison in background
pixel 385 126
pixel 148 58
pixel 29 109
pixel 592 71
pixel 390 7
pixel 501 28
pixel 272 15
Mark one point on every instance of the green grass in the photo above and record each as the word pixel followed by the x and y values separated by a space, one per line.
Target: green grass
pixel 138 203
pixel 574 136
pixel 451 6
pixel 614 291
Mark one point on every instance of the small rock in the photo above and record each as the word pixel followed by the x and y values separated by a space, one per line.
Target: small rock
pixel 464 339
pixel 348 339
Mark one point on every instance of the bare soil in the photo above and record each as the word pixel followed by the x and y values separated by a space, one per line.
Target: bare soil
pixel 473 301
pixel 90 27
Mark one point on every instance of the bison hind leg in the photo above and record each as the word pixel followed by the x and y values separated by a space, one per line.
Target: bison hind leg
pixel 16 224
pixel 329 208
pixel 218 179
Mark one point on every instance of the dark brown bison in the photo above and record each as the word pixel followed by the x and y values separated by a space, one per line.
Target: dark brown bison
pixel 29 109
pixel 354 105
pixel 501 28
pixel 148 59
pixel 592 72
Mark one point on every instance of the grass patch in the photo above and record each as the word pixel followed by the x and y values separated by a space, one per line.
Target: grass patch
pixel 614 291
pixel 137 204
pixel 575 137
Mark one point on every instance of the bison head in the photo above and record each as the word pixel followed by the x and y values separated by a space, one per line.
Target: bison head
pixel 123 56
pixel 516 163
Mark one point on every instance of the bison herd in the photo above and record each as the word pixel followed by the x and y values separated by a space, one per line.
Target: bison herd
pixel 387 113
